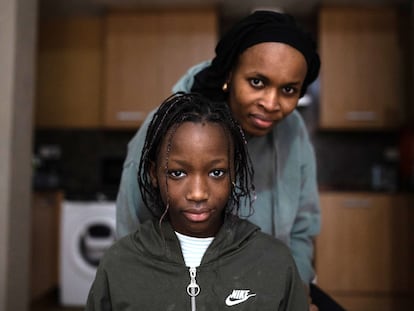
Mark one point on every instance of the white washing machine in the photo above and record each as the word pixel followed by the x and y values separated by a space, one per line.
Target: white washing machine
pixel 87 230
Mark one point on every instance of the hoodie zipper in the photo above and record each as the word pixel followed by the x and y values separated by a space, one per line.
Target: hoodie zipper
pixel 193 289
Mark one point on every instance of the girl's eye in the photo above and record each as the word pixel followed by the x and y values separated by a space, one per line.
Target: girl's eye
pixel 217 173
pixel 256 82
pixel 176 174
pixel 289 90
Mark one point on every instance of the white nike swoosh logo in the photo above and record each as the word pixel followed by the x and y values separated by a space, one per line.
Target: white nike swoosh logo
pixel 231 302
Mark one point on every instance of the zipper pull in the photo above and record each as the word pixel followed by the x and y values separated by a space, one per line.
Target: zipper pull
pixel 193 289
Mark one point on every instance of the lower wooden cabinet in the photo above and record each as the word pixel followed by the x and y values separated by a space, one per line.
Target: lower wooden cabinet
pixel 365 252
pixel 45 242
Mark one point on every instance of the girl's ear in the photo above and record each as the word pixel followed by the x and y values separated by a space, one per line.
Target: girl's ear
pixel 153 174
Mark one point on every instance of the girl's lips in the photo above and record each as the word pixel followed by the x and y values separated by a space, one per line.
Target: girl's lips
pixel 261 122
pixel 197 217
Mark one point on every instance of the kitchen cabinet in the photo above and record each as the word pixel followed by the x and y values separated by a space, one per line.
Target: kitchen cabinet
pixel 365 250
pixel 146 52
pixel 45 242
pixel 362 78
pixel 69 70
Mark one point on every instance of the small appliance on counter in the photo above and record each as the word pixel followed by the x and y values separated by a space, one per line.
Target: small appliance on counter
pixel 406 145
pixel 46 166
pixel 87 231
pixel 384 174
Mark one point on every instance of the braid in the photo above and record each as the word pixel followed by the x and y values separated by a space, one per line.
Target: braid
pixel 192 107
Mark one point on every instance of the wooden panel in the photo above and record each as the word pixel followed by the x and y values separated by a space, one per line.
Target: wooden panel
pixel 374 302
pixel 145 53
pixel 187 39
pixel 363 245
pixel 69 73
pixel 131 58
pixel 362 83
pixel 45 242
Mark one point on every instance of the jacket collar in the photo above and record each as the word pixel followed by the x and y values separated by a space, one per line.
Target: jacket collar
pixel 160 240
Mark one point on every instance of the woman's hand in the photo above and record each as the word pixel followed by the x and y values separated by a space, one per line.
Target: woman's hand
pixel 313 307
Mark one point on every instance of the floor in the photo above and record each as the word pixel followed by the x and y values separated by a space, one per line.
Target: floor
pixel 50 302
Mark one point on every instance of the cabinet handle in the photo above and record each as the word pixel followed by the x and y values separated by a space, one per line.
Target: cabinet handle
pixel 130 116
pixel 356 203
pixel 361 116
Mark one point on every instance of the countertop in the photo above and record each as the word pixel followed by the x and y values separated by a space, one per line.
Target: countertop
pixel 50 302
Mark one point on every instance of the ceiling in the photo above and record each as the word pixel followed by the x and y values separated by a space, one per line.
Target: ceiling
pixel 228 8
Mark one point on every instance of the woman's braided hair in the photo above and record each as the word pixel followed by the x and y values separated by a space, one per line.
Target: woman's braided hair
pixel 193 107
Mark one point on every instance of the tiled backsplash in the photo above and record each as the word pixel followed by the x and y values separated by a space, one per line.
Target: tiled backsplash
pixel 84 155
pixel 345 158
pixel 90 159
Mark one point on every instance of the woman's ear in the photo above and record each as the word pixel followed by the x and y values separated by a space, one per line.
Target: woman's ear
pixel 226 85
pixel 229 77
pixel 153 174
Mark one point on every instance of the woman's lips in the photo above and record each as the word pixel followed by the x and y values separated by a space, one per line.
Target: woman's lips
pixel 261 122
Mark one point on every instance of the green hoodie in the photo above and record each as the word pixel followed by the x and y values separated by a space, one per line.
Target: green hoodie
pixel 242 269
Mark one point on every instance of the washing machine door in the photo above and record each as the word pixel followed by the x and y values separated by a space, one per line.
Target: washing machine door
pixel 94 241
pixel 87 231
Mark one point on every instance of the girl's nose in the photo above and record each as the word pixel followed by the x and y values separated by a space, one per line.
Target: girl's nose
pixel 197 190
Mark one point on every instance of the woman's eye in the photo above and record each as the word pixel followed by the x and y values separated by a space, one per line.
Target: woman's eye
pixel 217 173
pixel 257 83
pixel 176 174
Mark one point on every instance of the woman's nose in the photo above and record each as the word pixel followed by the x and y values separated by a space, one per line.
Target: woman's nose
pixel 271 100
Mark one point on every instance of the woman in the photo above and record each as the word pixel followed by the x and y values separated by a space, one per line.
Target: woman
pixel 197 255
pixel 263 65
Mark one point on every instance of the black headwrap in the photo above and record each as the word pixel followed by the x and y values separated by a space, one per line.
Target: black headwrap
pixel 258 27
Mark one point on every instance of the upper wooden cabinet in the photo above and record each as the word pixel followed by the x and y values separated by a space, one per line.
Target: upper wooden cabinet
pixel 365 250
pixel 146 52
pixel 69 70
pixel 111 71
pixel 362 81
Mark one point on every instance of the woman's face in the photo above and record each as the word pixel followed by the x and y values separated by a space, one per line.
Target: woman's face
pixel 195 180
pixel 265 85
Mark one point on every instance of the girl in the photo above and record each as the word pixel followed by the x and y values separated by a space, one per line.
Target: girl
pixel 194 174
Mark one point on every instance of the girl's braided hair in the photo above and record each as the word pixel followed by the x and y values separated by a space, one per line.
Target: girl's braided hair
pixel 193 107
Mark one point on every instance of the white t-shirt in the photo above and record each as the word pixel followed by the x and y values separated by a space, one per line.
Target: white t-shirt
pixel 193 248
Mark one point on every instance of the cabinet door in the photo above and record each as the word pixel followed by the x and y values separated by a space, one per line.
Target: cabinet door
pixel 45 242
pixel 145 54
pixel 362 84
pixel 364 254
pixel 69 73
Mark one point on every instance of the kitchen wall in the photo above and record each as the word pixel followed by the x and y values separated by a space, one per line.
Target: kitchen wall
pixel 17 37
pixel 14 197
pixel 347 160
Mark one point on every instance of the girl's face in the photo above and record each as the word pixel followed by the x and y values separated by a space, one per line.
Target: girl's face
pixel 194 177
pixel 265 85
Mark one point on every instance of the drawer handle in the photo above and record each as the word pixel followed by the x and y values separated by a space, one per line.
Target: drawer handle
pixel 356 203
pixel 361 116
pixel 130 116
